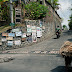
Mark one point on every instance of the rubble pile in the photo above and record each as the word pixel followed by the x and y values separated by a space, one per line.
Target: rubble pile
pixel 66 49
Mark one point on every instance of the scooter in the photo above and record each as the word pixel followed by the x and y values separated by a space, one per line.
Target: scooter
pixel 57 34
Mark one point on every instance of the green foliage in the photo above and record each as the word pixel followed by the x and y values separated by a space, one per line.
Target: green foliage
pixel 64 26
pixel 5 12
pixel 54 3
pixel 70 22
pixel 34 10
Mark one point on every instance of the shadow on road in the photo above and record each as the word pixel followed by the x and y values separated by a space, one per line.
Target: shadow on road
pixel 69 32
pixel 70 40
pixel 55 38
pixel 61 69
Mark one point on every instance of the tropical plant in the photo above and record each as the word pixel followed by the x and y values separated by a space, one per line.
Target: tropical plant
pixel 70 22
pixel 64 26
pixel 35 10
pixel 5 14
pixel 4 10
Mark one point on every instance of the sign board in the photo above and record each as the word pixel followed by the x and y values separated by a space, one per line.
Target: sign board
pixel 23 35
pixel 28 26
pixel 43 27
pixel 39 32
pixel 34 38
pixel 11 34
pixel 3 39
pixel 34 31
pixel 33 27
pixel 29 30
pixel 17 42
pixel 19 33
pixel 41 23
pixel 16 30
pixel 12 24
pixel 0 43
pixel 4 34
pixel 10 43
pixel 9 38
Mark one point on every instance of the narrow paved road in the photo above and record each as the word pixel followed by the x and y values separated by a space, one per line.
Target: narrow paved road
pixel 38 62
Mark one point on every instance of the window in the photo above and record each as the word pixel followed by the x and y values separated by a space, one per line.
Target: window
pixel 18 20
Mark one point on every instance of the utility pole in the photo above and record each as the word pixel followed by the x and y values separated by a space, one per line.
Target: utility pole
pixel 11 14
pixel 11 11
pixel 43 2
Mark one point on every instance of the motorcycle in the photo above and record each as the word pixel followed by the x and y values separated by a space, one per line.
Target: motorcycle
pixel 57 34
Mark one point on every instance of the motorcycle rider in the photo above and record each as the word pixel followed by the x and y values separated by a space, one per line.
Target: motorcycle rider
pixel 58 31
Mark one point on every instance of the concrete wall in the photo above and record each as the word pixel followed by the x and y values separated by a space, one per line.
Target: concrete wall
pixel 49 22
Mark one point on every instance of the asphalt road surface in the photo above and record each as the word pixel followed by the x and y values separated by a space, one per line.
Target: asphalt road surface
pixel 39 62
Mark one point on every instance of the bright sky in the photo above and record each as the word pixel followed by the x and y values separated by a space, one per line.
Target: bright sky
pixel 64 11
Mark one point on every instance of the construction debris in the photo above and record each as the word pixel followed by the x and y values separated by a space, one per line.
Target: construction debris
pixel 66 49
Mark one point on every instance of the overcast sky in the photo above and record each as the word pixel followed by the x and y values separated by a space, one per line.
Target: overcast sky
pixel 64 10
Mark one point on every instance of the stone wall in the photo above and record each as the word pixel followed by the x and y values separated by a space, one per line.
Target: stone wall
pixel 46 33
pixel 49 22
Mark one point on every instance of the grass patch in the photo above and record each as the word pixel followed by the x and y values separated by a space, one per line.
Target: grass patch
pixel 6 27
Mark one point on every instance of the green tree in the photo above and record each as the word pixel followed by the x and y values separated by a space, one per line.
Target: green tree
pixel 54 3
pixel 70 22
pixel 64 26
pixel 5 12
pixel 34 10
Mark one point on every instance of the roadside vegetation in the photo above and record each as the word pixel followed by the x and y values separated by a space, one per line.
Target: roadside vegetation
pixel 54 3
pixel 35 10
pixel 70 20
